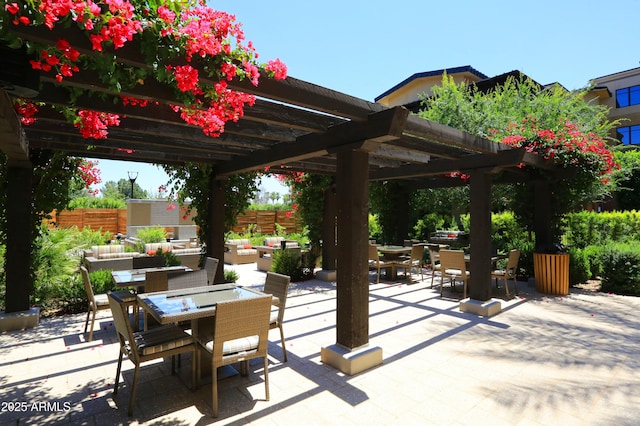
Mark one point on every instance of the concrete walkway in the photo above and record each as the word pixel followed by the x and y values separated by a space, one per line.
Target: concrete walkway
pixel 544 360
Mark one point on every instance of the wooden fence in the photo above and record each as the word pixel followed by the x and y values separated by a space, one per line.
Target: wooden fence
pixel 111 220
pixel 265 221
pixel 115 220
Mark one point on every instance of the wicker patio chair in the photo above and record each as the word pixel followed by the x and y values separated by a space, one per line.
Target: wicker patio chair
pixel 143 346
pixel 240 333
pixel 434 260
pixel 97 302
pixel 211 266
pixel 454 266
pixel 509 272
pixel 414 260
pixel 278 285
pixel 154 281
pixel 376 263
pixel 187 279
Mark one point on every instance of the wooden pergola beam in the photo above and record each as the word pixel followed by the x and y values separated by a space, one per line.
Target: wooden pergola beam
pixel 507 158
pixel 380 127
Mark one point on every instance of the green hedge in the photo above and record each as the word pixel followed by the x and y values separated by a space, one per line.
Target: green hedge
pixel 586 234
pixel 584 229
pixel 621 269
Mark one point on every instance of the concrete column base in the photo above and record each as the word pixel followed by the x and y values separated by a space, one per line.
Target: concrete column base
pixel 487 308
pixel 351 361
pixel 326 275
pixel 19 320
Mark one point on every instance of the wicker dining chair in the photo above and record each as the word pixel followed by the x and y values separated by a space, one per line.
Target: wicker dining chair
pixel 509 272
pixel 434 260
pixel 211 266
pixel 414 261
pixel 376 263
pixel 97 302
pixel 278 285
pixel 240 333
pixel 187 279
pixel 453 266
pixel 143 346
pixel 156 281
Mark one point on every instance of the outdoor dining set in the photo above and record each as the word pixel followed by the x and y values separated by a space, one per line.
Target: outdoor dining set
pixel 443 261
pixel 183 311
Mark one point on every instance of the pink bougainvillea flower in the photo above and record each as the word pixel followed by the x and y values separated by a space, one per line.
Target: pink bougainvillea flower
pixel 12 8
pixel 278 68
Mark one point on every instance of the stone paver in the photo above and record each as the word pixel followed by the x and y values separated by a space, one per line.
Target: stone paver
pixel 543 360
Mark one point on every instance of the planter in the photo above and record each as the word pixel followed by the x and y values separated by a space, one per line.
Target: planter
pixel 552 273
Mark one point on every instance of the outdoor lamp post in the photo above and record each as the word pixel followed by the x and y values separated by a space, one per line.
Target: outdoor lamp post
pixel 132 178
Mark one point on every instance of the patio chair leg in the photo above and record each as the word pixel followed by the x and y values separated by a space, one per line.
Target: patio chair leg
pixel 86 322
pixel 134 386
pixel 266 378
pixel 244 368
pixel 194 367
pixel 198 359
pixel 117 381
pixel 284 347
pixel 93 320
pixel 214 390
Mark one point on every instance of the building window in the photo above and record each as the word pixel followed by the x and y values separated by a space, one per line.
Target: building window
pixel 627 96
pixel 629 135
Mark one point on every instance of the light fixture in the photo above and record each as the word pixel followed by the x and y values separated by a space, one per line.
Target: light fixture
pixel 132 178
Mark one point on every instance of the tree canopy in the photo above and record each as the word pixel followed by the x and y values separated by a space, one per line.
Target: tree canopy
pixel 500 113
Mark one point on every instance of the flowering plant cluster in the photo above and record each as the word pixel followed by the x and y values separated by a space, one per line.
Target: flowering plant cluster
pixel 89 173
pixel 584 153
pixel 566 145
pixel 26 110
pixel 207 40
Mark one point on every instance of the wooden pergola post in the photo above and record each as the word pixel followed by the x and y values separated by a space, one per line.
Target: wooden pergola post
pixel 351 354
pixel 18 255
pixel 215 236
pixel 479 301
pixel 542 214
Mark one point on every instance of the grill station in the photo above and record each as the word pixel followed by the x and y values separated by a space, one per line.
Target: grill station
pixel 454 239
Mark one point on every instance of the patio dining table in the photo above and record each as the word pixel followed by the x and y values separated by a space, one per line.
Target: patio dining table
pixel 137 277
pixel 392 254
pixel 197 305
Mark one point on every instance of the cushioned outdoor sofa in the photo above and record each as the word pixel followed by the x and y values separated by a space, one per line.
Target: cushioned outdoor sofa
pixel 239 252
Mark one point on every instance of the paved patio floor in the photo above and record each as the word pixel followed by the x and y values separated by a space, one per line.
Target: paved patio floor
pixel 545 360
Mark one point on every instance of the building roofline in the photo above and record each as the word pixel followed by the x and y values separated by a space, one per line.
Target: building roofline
pixel 454 70
pixel 617 74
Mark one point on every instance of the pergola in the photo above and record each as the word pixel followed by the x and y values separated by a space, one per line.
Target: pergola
pixel 295 124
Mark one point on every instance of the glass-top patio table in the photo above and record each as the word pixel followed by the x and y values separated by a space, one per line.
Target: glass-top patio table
pixel 174 306
pixel 136 277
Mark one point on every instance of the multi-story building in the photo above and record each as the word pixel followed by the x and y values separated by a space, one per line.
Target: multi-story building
pixel 621 92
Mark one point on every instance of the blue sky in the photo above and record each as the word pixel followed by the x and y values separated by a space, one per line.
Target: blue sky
pixel 363 48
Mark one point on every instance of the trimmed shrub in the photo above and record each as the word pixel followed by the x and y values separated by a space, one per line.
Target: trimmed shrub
pixel 154 234
pixel 621 269
pixel 594 255
pixel 102 281
pixel 579 270
pixel 293 264
pixel 425 226
pixel 230 276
